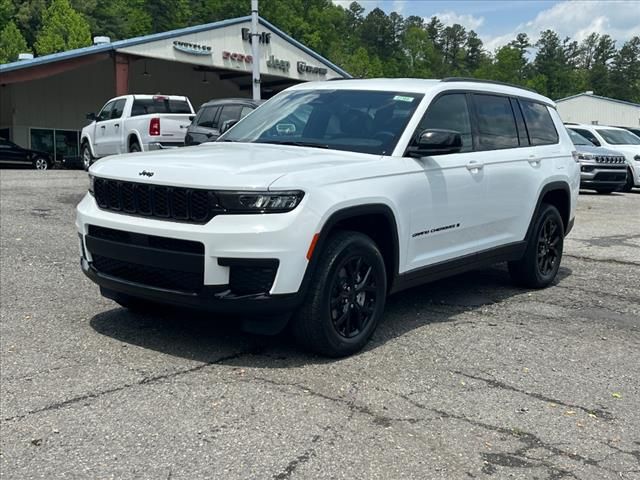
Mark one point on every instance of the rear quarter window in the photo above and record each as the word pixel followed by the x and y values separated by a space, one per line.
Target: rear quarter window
pixel 540 125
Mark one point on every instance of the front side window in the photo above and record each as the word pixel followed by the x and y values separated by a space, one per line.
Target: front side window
pixel 449 112
pixel 578 139
pixel 587 134
pixel 207 117
pixel 245 111
pixel 352 120
pixel 618 137
pixel 118 108
pixel 540 125
pixel 229 112
pixel 496 123
pixel 105 113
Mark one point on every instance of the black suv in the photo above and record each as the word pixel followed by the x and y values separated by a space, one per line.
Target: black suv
pixel 15 155
pixel 217 116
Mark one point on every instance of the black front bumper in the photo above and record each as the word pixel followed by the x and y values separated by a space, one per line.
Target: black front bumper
pixel 216 298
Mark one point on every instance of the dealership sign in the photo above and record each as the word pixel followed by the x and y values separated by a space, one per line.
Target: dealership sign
pixel 278 64
pixel 264 37
pixel 192 48
pixel 304 68
pixel 237 57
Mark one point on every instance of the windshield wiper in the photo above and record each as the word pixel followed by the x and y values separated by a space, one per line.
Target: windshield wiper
pixel 297 144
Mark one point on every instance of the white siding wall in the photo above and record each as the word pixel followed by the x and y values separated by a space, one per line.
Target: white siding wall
pixel 586 109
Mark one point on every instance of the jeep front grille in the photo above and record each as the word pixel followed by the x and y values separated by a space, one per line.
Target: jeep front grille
pixel 156 201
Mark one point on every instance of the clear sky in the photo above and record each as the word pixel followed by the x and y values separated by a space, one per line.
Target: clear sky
pixel 498 21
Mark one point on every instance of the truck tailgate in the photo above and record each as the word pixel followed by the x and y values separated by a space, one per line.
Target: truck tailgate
pixel 173 127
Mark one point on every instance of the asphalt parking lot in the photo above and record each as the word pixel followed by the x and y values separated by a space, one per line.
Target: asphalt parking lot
pixel 466 378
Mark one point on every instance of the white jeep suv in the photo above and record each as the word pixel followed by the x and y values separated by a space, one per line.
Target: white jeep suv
pixel 332 195
pixel 618 139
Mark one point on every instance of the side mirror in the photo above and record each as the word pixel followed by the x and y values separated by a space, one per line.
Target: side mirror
pixel 91 117
pixel 191 117
pixel 226 125
pixel 596 142
pixel 436 141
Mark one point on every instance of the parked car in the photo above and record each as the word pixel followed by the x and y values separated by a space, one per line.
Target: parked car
pixel 601 169
pixel 332 195
pixel 14 155
pixel 634 130
pixel 617 139
pixel 217 116
pixel 135 123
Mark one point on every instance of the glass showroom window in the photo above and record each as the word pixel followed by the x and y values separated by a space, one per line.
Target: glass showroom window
pixel 59 143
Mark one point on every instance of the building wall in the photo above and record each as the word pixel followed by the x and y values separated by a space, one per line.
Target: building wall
pixel 60 101
pixel 590 110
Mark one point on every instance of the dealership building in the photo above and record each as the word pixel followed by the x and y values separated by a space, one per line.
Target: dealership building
pixel 596 110
pixel 44 100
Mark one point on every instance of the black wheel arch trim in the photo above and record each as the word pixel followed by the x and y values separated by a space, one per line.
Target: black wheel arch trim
pixel 551 187
pixel 354 212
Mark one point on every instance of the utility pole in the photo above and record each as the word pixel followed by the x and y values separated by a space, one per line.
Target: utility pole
pixel 255 50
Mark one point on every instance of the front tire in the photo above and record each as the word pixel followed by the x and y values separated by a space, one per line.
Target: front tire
pixel 87 158
pixel 40 163
pixel 346 297
pixel 629 185
pixel 541 261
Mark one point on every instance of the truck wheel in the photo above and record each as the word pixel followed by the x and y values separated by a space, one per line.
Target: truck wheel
pixel 604 191
pixel 134 147
pixel 541 261
pixel 346 297
pixel 629 185
pixel 40 163
pixel 87 158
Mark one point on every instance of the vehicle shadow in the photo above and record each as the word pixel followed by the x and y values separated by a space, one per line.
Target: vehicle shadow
pixel 206 338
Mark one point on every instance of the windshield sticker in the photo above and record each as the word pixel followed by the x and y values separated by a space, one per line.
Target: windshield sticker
pixel 401 98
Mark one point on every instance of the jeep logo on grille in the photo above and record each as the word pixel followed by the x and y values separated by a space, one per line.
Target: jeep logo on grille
pixel 144 173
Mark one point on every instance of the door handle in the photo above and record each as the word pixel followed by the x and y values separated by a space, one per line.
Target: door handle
pixel 117 125
pixel 474 166
pixel 534 161
pixel 103 127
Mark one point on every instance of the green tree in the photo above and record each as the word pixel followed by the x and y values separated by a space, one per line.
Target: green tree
pixel 63 28
pixel 625 72
pixel 28 17
pixel 7 12
pixel 168 14
pixel 11 43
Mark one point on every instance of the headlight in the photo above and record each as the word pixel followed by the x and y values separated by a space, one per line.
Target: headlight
pixel 259 202
pixel 92 181
pixel 585 156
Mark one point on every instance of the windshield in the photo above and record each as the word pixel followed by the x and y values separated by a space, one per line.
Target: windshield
pixel 353 120
pixel 618 137
pixel 578 139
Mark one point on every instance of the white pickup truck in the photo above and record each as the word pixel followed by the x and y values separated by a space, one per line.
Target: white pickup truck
pixel 136 123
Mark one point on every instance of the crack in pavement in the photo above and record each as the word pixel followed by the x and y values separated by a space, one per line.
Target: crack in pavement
pixel 614 261
pixel 304 457
pixel 600 413
pixel 144 381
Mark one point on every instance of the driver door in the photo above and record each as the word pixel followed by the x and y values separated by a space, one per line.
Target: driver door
pixel 100 137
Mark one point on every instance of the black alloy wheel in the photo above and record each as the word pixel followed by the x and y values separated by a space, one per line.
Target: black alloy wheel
pixel 353 296
pixel 549 239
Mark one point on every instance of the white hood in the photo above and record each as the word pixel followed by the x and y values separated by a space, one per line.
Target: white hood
pixel 250 166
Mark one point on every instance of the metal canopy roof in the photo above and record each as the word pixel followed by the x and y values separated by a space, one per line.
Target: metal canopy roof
pixel 115 46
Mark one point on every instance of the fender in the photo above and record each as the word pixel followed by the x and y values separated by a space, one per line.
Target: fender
pixel 345 214
pixel 133 133
pixel 86 138
pixel 550 187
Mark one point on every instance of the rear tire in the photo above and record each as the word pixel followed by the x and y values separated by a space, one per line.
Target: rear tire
pixel 604 191
pixel 346 297
pixel 540 263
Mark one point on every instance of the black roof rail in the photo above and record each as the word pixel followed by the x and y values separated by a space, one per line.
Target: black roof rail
pixel 482 80
pixel 571 123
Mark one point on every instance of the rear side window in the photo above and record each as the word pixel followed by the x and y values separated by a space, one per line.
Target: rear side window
pixel 207 118
pixel 450 112
pixel 496 123
pixel 245 111
pixel 541 129
pixel 159 105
